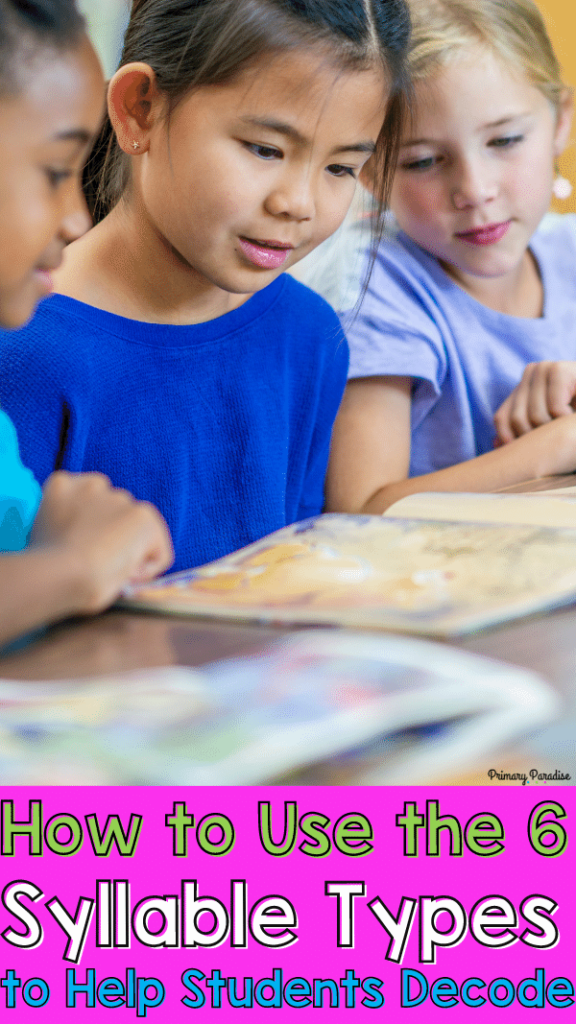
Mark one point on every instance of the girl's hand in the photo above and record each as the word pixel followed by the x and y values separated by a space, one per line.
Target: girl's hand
pixel 105 537
pixel 547 390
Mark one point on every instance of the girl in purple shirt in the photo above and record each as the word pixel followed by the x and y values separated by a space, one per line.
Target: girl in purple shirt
pixel 466 299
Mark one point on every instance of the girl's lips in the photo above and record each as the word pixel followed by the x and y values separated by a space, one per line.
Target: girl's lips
pixel 488 235
pixel 268 255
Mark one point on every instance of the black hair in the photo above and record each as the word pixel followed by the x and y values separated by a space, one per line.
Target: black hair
pixel 29 26
pixel 194 43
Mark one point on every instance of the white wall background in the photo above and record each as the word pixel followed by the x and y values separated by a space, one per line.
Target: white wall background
pixel 107 20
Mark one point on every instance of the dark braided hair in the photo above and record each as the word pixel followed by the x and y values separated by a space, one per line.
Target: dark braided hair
pixel 27 26
pixel 194 43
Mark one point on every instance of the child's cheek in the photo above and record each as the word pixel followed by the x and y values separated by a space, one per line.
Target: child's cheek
pixel 415 207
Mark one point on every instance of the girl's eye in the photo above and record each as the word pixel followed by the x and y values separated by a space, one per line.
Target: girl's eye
pixel 57 177
pixel 264 152
pixel 425 164
pixel 506 142
pixel 341 171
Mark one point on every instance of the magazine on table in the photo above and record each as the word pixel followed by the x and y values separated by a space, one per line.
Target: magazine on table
pixel 435 564
pixel 419 709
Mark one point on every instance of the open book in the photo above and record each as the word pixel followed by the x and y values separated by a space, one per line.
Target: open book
pixel 410 710
pixel 435 564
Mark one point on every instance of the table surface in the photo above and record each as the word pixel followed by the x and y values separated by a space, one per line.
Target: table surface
pixel 120 640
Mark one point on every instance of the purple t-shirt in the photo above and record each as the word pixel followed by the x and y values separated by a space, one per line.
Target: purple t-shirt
pixel 465 358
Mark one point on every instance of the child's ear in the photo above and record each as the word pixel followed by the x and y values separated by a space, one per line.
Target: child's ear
pixel 563 121
pixel 134 102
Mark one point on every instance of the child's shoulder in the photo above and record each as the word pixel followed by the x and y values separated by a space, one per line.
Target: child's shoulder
pixel 554 246
pixel 407 285
pixel 307 341
pixel 303 301
pixel 53 349
pixel 53 316
pixel 306 320
pixel 557 231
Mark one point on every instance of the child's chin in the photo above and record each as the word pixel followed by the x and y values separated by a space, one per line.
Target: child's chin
pixel 16 312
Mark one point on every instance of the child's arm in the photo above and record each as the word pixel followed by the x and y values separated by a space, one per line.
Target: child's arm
pixel 547 390
pixel 89 540
pixel 370 456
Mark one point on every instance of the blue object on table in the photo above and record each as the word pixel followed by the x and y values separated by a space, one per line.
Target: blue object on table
pixel 20 493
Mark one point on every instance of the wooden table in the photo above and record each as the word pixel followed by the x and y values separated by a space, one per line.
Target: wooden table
pixel 120 640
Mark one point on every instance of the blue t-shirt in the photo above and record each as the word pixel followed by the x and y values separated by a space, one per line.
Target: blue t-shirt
pixel 19 492
pixel 465 358
pixel 224 426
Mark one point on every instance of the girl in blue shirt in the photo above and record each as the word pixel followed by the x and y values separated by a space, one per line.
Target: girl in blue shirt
pixel 88 540
pixel 473 290
pixel 177 358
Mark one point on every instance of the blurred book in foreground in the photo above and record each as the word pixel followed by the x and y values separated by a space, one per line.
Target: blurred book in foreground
pixel 311 697
pixel 433 575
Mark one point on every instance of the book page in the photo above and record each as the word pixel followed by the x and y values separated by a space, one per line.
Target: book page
pixel 433 578
pixel 556 508
pixel 559 492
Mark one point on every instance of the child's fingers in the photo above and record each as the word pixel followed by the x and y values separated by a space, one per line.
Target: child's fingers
pixel 513 417
pixel 130 545
pixel 65 485
pixel 504 432
pixel 157 552
pixel 115 535
pixel 536 394
pixel 519 403
pixel 546 391
pixel 561 388
pixel 527 406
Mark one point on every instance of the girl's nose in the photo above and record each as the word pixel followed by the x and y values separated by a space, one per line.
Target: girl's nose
pixel 474 186
pixel 76 220
pixel 293 198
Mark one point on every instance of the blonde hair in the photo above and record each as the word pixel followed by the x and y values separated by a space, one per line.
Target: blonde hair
pixel 513 30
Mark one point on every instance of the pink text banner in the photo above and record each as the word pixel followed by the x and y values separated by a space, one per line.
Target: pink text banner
pixel 398 904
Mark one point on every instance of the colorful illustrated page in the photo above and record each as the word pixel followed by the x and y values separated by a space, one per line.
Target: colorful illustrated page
pixel 434 578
